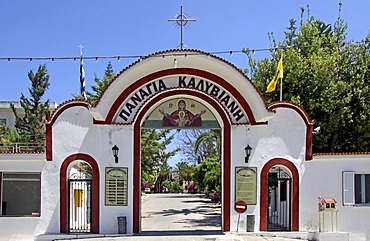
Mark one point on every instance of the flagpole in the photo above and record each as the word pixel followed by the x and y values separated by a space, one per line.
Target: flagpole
pixel 281 89
pixel 82 76
pixel 281 79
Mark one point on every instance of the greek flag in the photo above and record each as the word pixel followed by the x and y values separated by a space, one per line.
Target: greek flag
pixel 82 81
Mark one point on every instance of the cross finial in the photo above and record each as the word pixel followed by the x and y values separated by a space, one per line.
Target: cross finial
pixel 81 47
pixel 182 21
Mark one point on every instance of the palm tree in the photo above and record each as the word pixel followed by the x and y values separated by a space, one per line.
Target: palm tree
pixel 209 140
pixel 184 171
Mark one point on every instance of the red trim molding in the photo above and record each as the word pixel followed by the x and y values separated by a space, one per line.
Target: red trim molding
pixel 63 185
pixel 226 155
pixel 49 142
pixel 264 192
pixel 54 117
pixel 184 71
pixel 309 133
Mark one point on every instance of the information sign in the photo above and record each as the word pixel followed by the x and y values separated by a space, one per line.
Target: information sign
pixel 246 184
pixel 116 186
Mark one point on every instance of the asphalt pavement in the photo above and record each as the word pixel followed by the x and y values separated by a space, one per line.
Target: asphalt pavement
pixel 202 236
pixel 179 212
pixel 183 217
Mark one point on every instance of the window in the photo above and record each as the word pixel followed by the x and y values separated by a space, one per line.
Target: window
pixel 356 188
pixel 362 188
pixel 348 188
pixel 20 194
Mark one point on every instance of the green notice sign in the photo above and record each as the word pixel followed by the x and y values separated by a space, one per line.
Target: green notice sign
pixel 116 186
pixel 246 184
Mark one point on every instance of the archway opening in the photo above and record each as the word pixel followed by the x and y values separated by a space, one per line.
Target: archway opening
pixel 86 170
pixel 183 194
pixel 226 130
pixel 79 197
pixel 279 199
pixel 283 171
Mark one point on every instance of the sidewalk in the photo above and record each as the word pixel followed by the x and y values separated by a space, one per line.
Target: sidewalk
pixel 183 236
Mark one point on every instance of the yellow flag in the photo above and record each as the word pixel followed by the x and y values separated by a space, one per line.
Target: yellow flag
pixel 279 75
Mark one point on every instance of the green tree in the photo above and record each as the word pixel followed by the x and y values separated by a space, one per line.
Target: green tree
pixel 30 126
pixel 184 171
pixel 153 154
pixel 8 136
pixel 207 175
pixel 197 145
pixel 211 139
pixel 325 75
pixel 101 84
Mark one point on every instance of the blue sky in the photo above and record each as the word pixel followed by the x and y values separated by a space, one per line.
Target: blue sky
pixel 51 28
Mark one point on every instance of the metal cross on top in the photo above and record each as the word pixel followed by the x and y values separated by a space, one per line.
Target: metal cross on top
pixel 182 21
pixel 81 47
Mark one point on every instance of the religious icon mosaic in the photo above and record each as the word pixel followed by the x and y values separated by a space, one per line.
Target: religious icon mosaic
pixel 181 113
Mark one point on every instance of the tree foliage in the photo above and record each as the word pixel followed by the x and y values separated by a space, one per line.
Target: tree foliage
pixel 197 145
pixel 153 154
pixel 100 84
pixel 184 171
pixel 8 136
pixel 207 175
pixel 212 141
pixel 30 126
pixel 327 76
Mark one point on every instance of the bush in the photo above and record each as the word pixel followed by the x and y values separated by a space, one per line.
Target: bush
pixel 215 197
pixel 192 188
pixel 145 185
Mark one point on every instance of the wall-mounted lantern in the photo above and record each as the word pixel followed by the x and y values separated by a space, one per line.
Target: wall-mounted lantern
pixel 248 150
pixel 115 150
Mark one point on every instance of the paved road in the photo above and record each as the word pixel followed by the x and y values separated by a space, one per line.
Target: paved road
pixel 181 217
pixel 169 212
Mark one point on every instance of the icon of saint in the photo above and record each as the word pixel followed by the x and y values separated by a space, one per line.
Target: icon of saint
pixel 182 117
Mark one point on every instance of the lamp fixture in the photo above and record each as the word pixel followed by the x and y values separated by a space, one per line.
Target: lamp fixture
pixel 248 150
pixel 115 150
pixel 175 63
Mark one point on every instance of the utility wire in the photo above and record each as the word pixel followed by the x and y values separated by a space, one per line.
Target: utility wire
pixel 119 57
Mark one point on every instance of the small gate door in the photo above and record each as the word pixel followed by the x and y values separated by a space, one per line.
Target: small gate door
pixel 79 202
pixel 279 202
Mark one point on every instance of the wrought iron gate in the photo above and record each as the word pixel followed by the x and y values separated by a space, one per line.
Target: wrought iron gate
pixel 79 202
pixel 279 202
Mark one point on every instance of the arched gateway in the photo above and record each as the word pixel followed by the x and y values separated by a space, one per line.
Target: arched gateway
pixel 279 134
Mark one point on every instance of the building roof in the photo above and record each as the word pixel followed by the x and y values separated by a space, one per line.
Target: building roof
pixel 17 104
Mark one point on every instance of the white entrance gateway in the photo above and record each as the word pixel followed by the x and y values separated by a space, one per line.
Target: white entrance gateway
pixel 280 181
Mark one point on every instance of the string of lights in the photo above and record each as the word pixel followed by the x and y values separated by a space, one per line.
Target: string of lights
pixel 119 57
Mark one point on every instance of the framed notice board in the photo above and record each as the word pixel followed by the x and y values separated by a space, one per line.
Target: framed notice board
pixel 246 185
pixel 116 186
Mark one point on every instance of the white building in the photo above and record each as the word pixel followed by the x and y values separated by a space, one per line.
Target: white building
pixel 280 181
pixel 8 118
pixel 6 114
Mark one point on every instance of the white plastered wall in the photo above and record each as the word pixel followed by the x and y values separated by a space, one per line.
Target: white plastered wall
pixel 284 136
pixel 10 226
pixel 73 133
pixel 323 177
